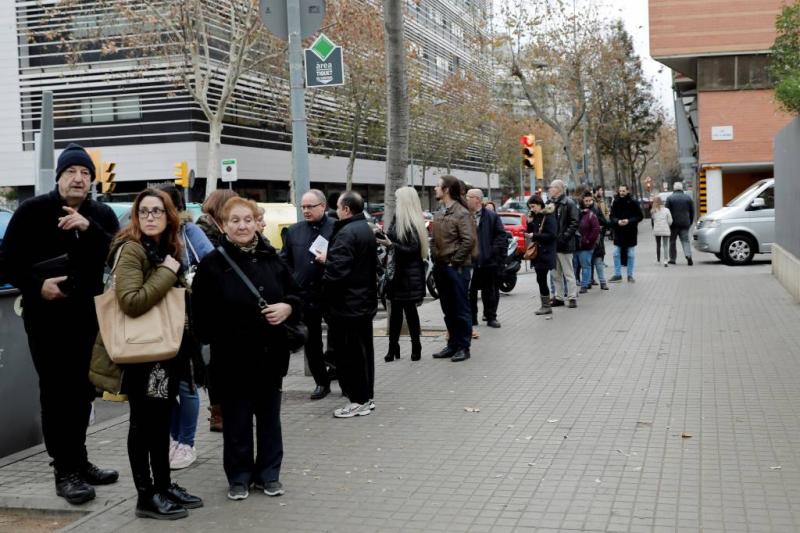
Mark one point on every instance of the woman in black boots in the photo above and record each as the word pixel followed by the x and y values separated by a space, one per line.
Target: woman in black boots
pixel 407 242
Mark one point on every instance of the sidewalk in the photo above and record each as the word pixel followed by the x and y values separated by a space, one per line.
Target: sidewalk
pixel 671 404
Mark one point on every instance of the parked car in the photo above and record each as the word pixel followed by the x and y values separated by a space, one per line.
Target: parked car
pixel 741 229
pixel 123 211
pixel 515 206
pixel 515 224
pixel 5 218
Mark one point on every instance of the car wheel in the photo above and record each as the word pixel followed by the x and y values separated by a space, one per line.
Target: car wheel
pixel 738 250
pixel 432 287
pixel 507 285
pixel 720 256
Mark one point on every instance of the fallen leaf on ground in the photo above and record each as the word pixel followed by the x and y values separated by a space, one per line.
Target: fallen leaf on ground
pixel 529 437
pixel 686 435
pixel 644 423
pixel 623 453
pixel 472 409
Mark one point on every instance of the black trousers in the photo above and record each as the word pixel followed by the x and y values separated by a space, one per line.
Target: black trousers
pixel 541 279
pixel 240 407
pixel 313 348
pixel 484 279
pixel 61 350
pixel 148 441
pixel 398 309
pixel 212 379
pixel 355 355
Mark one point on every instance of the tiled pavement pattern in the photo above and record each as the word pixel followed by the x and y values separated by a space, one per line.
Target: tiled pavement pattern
pixel 666 405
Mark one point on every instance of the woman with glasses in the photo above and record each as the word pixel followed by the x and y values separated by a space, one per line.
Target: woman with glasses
pixel 143 256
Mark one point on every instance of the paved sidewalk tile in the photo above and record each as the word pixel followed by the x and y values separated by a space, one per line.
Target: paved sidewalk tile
pixel 670 404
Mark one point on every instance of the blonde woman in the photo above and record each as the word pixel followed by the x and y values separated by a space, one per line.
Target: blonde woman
pixel 407 240
pixel 661 219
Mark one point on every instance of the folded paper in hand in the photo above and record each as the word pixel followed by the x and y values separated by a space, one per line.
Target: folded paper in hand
pixel 319 246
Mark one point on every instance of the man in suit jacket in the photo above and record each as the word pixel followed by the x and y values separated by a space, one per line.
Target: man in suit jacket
pixel 492 239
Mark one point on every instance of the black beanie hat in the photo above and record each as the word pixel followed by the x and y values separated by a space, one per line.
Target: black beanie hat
pixel 74 154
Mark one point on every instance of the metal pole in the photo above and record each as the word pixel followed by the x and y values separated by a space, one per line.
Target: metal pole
pixel 298 105
pixel 521 184
pixel 46 146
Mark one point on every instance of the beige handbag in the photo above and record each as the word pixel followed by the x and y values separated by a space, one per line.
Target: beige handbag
pixel 153 336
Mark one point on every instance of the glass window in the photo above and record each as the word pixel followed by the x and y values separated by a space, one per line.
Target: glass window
pixel 86 111
pixel 102 109
pixel 716 73
pixel 510 220
pixel 128 108
pixel 752 72
pixel 768 195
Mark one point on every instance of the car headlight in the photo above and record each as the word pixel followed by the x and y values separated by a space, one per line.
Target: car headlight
pixel 711 223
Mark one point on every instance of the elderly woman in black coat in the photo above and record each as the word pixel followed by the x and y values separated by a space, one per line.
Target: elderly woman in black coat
pixel 252 354
pixel 543 229
pixel 407 241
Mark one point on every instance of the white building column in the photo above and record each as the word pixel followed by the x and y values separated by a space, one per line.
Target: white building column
pixel 714 189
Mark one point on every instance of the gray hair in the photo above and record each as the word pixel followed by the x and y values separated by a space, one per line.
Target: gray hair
pixel 559 184
pixel 677 186
pixel 475 192
pixel 318 194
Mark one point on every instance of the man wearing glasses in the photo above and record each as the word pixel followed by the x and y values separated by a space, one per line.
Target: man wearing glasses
pixel 307 264
pixel 55 251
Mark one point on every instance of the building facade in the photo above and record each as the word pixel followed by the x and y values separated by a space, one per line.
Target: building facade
pixel 725 109
pixel 138 118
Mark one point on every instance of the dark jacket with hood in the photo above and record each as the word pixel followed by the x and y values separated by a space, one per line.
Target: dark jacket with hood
pixel 492 239
pixel 350 282
pixel 566 213
pixel 302 263
pixel 625 207
pixel 408 283
pixel 589 228
pixel 247 350
pixel 546 260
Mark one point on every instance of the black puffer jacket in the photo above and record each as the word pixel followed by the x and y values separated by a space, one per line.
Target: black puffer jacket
pixel 566 213
pixel 625 207
pixel 681 208
pixel 408 283
pixel 247 349
pixel 349 284
pixel 546 260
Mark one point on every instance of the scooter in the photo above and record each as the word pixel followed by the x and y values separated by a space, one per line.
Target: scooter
pixel 507 278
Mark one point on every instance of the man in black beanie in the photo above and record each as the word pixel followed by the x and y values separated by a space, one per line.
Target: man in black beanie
pixel 55 247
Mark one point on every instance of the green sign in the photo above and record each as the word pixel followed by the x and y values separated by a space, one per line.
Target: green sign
pixel 324 63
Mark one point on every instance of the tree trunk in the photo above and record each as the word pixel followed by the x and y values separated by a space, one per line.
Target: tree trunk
pixel 616 169
pixel 351 160
pixel 600 173
pixel 214 142
pixel 397 105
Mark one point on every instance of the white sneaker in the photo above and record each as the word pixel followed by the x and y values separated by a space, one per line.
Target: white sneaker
pixel 372 405
pixel 352 409
pixel 185 455
pixel 173 447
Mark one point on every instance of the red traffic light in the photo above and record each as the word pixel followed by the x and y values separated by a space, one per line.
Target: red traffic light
pixel 527 140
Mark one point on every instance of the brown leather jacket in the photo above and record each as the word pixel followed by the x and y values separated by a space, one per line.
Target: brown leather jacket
pixel 455 237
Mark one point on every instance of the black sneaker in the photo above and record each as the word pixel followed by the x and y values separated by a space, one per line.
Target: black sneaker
pixel 584 290
pixel 555 302
pixel 320 392
pixel 631 280
pixel 689 261
pixel 615 279
pixel 572 304
pixel 73 488
pixel 238 491
pixel 273 488
pixel 493 323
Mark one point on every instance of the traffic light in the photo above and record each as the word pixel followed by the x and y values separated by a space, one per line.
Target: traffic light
pixel 181 172
pixel 106 177
pixel 528 148
pixel 538 164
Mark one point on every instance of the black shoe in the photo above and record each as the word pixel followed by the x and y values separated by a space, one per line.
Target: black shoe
pixel 99 476
pixel 572 304
pixel 555 302
pixel 446 353
pixel 158 505
pixel 178 494
pixel 631 279
pixel 392 354
pixel 416 351
pixel 615 279
pixel 73 488
pixel 584 290
pixel 672 262
pixel 320 392
pixel 603 287
pixel 460 355
pixel 493 323
pixel 689 261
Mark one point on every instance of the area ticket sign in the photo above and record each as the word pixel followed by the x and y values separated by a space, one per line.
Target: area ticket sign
pixel 324 63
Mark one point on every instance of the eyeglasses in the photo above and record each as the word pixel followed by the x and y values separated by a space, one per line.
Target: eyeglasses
pixel 310 207
pixel 157 212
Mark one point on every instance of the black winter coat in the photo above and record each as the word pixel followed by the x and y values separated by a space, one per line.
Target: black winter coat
pixel 33 236
pixel 350 283
pixel 408 283
pixel 600 247
pixel 681 207
pixel 302 263
pixel 566 213
pixel 546 260
pixel 247 350
pixel 625 207
pixel 492 240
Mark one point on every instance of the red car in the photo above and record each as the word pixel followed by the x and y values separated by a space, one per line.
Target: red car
pixel 516 224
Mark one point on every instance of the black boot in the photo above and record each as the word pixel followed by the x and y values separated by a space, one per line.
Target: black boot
pixel 393 353
pixel 179 495
pixel 73 488
pixel 158 505
pixel 99 476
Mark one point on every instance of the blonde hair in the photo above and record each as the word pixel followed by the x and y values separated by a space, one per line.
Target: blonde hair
pixel 657 204
pixel 408 218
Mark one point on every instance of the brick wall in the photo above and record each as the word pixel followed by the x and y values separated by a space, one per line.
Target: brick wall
pixel 695 27
pixel 755 118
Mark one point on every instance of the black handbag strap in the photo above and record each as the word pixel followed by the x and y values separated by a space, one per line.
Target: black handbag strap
pixel 262 303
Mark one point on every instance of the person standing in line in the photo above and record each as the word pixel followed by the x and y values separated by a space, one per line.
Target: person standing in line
pixel 407 242
pixel 589 228
pixel 492 239
pixel 350 292
pixel 661 220
pixel 196 246
pixel 566 213
pixel 452 248
pixel 681 208
pixel 145 269
pixel 252 354
pixel 625 217
pixel 599 254
pixel 71 232
pixel 308 269
pixel 211 224
pixel 543 228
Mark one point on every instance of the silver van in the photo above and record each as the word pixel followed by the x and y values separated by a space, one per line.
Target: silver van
pixel 741 229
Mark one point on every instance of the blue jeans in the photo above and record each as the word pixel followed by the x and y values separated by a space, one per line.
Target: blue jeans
pixel 453 286
pixel 598 264
pixel 618 261
pixel 184 414
pixel 585 258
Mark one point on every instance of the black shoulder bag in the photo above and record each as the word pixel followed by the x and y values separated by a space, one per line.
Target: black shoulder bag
pixel 296 332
